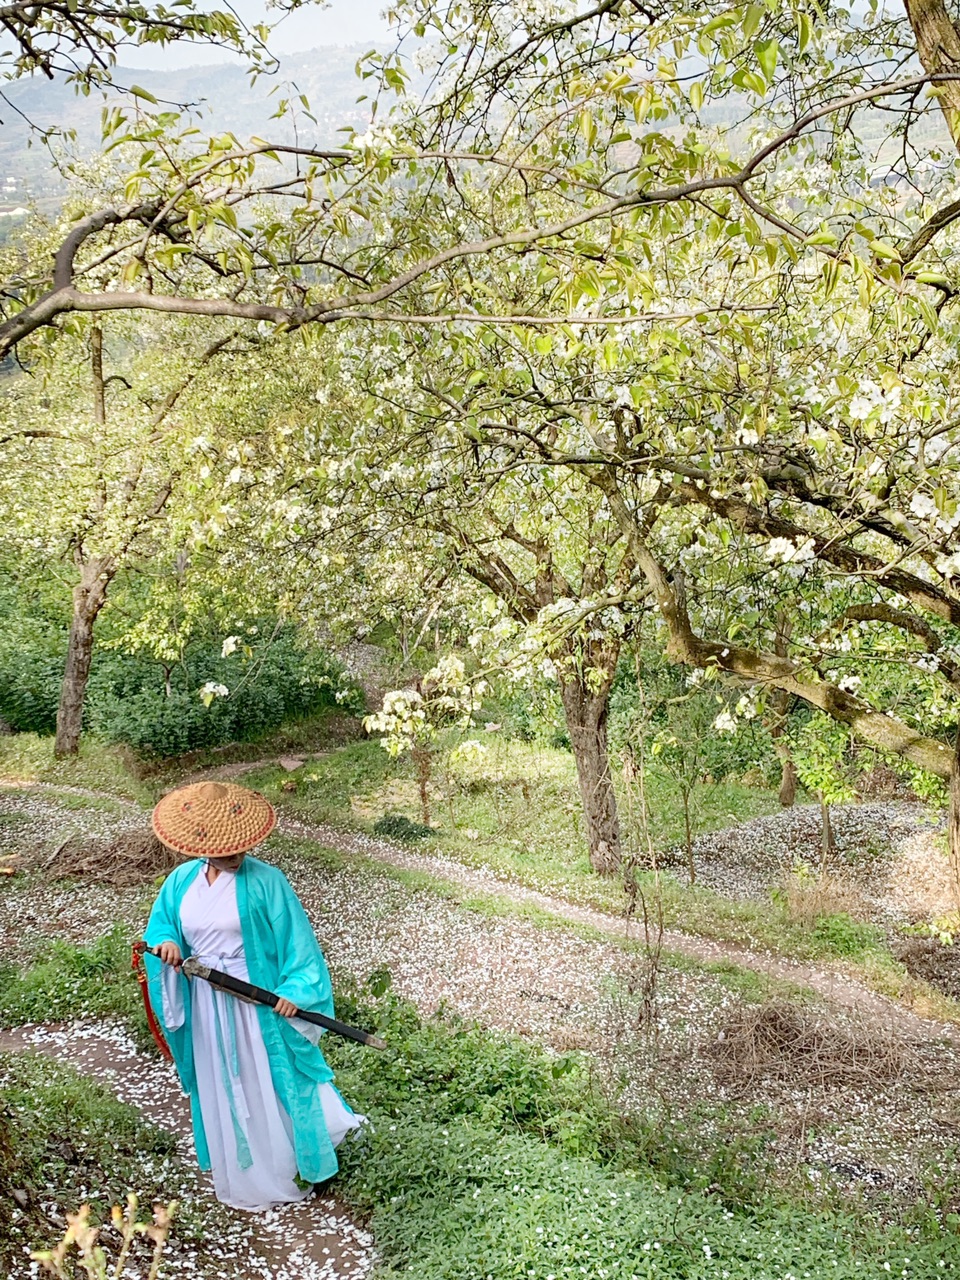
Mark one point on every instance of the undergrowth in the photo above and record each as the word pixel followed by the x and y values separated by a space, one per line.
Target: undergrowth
pixel 64 1141
pixel 487 1158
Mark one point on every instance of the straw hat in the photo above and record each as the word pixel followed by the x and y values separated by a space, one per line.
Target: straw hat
pixel 213 819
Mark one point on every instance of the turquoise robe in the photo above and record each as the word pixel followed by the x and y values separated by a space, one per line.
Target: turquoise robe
pixel 283 955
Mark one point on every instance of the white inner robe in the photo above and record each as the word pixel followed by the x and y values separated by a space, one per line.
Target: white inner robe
pixel 249 1132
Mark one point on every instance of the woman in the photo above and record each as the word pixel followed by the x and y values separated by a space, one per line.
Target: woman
pixel 266 1116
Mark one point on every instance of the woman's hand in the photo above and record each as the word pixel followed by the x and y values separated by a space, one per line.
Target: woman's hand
pixel 285 1008
pixel 170 954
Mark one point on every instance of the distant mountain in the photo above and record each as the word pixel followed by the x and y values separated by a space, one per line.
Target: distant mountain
pixel 221 95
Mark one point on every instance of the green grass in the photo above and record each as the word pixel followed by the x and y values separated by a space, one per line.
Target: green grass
pixel 66 982
pixel 27 757
pixel 66 1139
pixel 488 1159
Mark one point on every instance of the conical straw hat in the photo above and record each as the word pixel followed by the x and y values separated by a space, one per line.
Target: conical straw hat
pixel 213 819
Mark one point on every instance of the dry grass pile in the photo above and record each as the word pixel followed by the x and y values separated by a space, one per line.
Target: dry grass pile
pixel 932 961
pixel 783 1041
pixel 124 861
pixel 807 896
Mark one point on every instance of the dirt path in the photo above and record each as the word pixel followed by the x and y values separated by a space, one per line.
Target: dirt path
pixel 837 987
pixel 314 1240
pixel 841 989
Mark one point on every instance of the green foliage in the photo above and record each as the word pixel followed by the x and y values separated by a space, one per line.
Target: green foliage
pixel 67 981
pixel 157 708
pixel 32 648
pixel 395 826
pixel 678 715
pixel 844 936
pixel 65 1133
pixel 490 1158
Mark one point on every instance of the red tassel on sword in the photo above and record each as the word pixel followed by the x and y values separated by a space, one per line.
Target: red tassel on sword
pixel 152 1023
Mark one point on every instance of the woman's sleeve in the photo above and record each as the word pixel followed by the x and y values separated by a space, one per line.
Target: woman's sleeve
pixel 164 922
pixel 304 976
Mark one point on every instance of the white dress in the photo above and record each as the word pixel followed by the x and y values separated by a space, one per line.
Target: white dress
pixel 249 1133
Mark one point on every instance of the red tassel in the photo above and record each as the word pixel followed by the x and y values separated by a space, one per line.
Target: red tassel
pixel 152 1023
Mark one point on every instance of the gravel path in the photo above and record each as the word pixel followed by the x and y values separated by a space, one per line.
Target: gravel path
pixel 844 991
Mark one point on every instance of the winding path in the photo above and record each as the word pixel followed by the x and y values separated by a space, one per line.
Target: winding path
pixel 833 985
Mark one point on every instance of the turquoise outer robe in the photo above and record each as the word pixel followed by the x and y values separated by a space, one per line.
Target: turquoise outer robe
pixel 282 955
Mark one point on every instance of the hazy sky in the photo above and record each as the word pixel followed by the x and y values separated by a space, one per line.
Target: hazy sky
pixel 338 22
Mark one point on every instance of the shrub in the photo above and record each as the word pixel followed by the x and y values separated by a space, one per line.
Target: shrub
pixel 845 936
pixel 156 709
pixel 394 826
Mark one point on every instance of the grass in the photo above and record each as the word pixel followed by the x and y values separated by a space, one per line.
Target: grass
pixel 27 757
pixel 488 1158
pixel 64 1140
pixel 66 981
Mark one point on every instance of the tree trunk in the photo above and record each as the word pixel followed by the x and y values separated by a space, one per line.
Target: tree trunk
pixel 828 845
pixel 691 869
pixel 89 596
pixel 953 821
pixel 585 713
pixel 421 758
pixel 788 776
pixel 780 706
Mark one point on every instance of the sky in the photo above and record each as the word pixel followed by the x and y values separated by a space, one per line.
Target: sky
pixel 338 22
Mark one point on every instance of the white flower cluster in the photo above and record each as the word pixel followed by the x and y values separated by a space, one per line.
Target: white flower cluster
pixel 402 719
pixel 725 722
pixel 230 645
pixel 787 551
pixel 212 690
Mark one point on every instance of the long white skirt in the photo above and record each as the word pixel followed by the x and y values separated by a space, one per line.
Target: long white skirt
pixel 262 1137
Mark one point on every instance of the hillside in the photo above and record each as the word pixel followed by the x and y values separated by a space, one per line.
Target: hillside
pixel 222 96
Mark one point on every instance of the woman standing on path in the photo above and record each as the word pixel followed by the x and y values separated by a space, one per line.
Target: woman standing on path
pixel 266 1115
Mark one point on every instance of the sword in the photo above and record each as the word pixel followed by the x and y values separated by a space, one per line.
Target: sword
pixel 259 995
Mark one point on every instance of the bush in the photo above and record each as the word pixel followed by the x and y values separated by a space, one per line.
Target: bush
pixel 157 709
pixel 32 648
pixel 845 936
pixel 394 826
pixel 280 682
pixel 489 1158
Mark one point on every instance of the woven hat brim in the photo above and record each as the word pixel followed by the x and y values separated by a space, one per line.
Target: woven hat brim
pixel 212 848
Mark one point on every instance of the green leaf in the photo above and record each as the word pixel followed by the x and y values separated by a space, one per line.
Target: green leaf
pixel 138 92
pixel 883 250
pixel 804 31
pixel 752 18
pixel 933 277
pixel 767 52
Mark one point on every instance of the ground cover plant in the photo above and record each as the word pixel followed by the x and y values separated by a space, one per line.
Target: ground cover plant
pixel 490 1157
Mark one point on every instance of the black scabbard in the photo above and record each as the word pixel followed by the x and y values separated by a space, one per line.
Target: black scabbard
pixel 259 995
